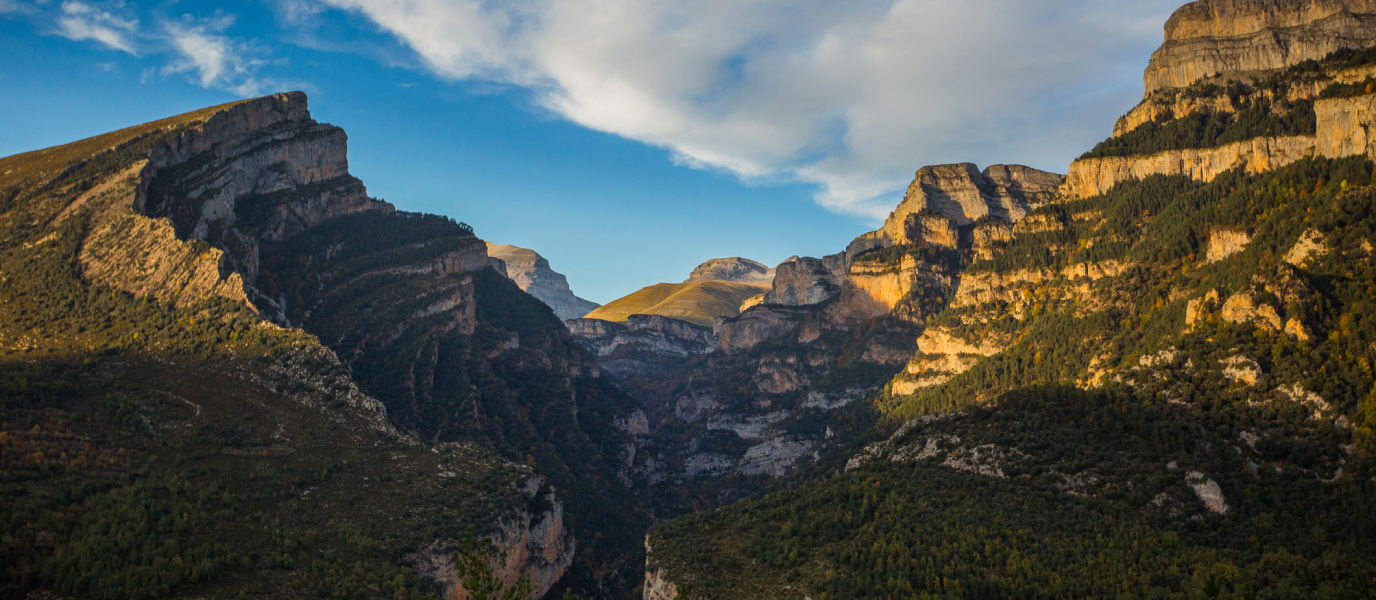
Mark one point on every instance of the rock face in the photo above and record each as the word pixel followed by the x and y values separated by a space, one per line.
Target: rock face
pixel 741 270
pixel 227 181
pixel 1094 176
pixel 647 346
pixel 257 199
pixel 1212 37
pixel 1344 126
pixel 532 273
pixel 537 545
pixel 802 281
pixel 962 194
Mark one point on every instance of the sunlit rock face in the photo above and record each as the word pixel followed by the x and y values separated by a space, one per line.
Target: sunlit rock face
pixel 532 274
pixel 1213 37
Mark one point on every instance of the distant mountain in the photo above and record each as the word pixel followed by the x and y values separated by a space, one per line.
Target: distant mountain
pixel 741 270
pixel 716 288
pixel 698 302
pixel 532 273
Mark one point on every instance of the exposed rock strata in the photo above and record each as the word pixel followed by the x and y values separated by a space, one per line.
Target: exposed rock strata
pixel 962 194
pixel 257 172
pixel 643 346
pixel 742 270
pixel 1211 37
pixel 532 274
pixel 1094 176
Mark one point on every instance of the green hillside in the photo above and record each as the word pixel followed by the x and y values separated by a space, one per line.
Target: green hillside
pixel 171 441
pixel 698 302
pixel 1193 420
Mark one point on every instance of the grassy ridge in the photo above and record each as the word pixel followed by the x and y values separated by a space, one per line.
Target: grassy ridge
pixel 698 302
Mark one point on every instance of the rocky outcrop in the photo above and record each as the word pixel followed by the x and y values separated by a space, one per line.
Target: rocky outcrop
pixel 1243 310
pixel 742 270
pixel 1344 126
pixel 801 281
pixel 1094 176
pixel 1168 103
pixel 143 256
pixel 260 171
pixel 961 194
pixel 538 546
pixel 759 324
pixel 1310 245
pixel 658 586
pixel 532 274
pixel 1224 243
pixel 644 346
pixel 1212 37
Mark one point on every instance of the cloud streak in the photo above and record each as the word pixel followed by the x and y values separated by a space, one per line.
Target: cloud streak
pixel 81 21
pixel 212 59
pixel 850 96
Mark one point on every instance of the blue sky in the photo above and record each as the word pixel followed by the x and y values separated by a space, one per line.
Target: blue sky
pixel 625 140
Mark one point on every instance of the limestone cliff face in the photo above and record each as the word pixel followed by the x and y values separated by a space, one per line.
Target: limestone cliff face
pixel 1345 126
pixel 533 274
pixel 742 270
pixel 1094 176
pixel 962 194
pixel 801 281
pixel 143 256
pixel 259 171
pixel 537 545
pixel 1212 37
pixel 1342 129
pixel 644 345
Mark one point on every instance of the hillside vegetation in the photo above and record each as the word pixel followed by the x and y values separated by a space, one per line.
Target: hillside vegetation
pixel 154 451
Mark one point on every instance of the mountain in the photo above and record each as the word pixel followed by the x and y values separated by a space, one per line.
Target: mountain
pixel 1155 382
pixel 716 288
pixel 1226 39
pixel 226 370
pixel 741 270
pixel 532 274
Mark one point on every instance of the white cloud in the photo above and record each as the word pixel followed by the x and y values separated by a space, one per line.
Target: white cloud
pixel 215 60
pixel 852 96
pixel 81 21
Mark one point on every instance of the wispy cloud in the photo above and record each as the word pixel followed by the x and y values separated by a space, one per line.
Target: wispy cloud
pixel 851 96
pixel 81 21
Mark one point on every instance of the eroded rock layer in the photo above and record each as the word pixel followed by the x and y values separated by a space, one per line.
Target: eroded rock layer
pixel 1212 37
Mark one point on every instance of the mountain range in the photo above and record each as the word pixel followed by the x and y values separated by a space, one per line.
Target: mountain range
pixel 227 371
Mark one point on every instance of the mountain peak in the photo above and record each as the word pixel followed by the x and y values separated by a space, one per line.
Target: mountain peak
pixel 737 269
pixel 532 274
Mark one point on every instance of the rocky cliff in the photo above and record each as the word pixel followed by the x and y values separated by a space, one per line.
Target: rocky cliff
pixel 253 202
pixel 742 270
pixel 166 263
pixel 1212 37
pixel 644 346
pixel 1342 126
pixel 533 274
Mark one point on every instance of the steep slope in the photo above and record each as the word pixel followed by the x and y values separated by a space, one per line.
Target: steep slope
pixel 698 302
pixel 533 275
pixel 229 220
pixel 1160 390
pixel 187 447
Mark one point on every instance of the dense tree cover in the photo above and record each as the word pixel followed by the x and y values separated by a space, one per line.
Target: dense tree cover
pixel 1209 129
pixel 1095 498
pixel 150 451
pixel 918 529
